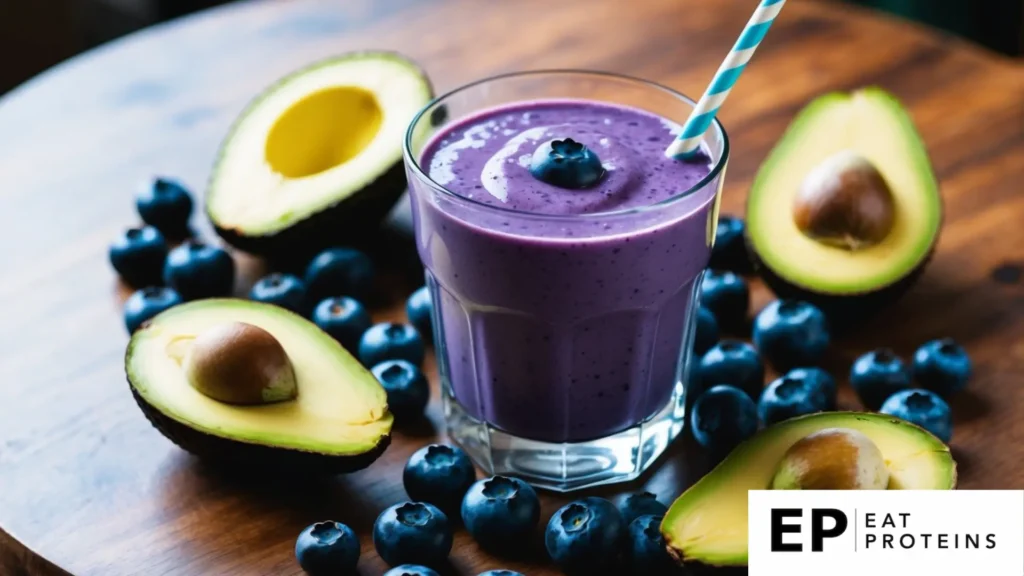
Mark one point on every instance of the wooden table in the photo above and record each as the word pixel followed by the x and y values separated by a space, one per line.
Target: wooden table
pixel 87 487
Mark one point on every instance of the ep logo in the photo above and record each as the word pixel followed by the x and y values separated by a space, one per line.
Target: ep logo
pixel 789 525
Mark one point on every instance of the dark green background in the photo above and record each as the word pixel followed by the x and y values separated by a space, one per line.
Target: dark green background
pixel 997 24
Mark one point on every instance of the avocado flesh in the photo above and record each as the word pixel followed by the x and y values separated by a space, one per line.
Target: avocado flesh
pixel 707 524
pixel 316 159
pixel 871 123
pixel 340 411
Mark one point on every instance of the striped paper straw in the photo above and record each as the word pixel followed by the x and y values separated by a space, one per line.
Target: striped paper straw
pixel 688 142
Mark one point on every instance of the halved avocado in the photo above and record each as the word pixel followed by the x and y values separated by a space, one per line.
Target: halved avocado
pixel 707 524
pixel 316 159
pixel 338 421
pixel 845 212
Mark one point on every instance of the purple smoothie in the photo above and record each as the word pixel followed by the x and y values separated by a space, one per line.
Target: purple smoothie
pixel 560 313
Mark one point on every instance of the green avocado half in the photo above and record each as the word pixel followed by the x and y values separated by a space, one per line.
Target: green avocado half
pixel 338 421
pixel 707 524
pixel 845 211
pixel 316 159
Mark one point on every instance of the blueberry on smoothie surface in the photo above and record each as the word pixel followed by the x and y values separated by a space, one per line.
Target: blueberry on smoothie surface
pixel 166 205
pixel 406 386
pixel 728 297
pixel 735 363
pixel 284 290
pixel 730 248
pixel 138 255
pixel 877 375
pixel 391 341
pixel 339 272
pixel 500 512
pixel 439 474
pixel 791 333
pixel 345 319
pixel 924 408
pixel 586 537
pixel 942 366
pixel 197 270
pixel 722 418
pixel 788 397
pixel 327 549
pixel 566 163
pixel 412 533
pixel 147 303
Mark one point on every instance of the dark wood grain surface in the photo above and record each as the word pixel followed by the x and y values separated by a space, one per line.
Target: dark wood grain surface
pixel 87 487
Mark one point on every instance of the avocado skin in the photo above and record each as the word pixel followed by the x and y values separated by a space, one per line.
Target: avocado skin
pixel 352 221
pixel 845 312
pixel 220 450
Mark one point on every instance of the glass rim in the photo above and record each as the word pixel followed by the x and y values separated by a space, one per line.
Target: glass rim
pixel 440 99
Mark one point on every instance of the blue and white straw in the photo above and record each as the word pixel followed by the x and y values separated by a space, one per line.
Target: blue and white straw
pixel 688 142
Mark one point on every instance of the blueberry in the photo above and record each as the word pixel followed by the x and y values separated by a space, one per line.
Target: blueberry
pixel 339 272
pixel 942 366
pixel 735 363
pixel 500 573
pixel 412 533
pixel 637 504
pixel 877 375
pixel 138 256
pixel 722 418
pixel 166 205
pixel 788 397
pixel 411 570
pixel 345 319
pixel 283 290
pixel 586 537
pixel 327 548
pixel 924 408
pixel 500 512
pixel 820 379
pixel 147 303
pixel 439 474
pixel 197 270
pixel 647 552
pixel 730 249
pixel 728 297
pixel 407 388
pixel 707 331
pixel 391 341
pixel 791 333
pixel 566 164
pixel 418 308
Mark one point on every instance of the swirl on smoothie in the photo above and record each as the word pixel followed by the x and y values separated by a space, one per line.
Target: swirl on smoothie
pixel 488 159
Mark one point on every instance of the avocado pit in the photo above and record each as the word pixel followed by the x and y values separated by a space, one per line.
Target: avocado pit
pixel 240 363
pixel 832 459
pixel 845 202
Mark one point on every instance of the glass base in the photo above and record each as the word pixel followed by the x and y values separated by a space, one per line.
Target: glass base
pixel 564 467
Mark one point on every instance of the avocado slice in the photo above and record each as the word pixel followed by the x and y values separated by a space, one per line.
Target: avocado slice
pixel 316 159
pixel 337 422
pixel 849 281
pixel 707 524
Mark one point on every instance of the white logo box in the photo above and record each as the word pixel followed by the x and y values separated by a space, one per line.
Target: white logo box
pixel 888 532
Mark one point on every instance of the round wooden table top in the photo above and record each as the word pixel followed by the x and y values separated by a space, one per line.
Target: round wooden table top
pixel 88 487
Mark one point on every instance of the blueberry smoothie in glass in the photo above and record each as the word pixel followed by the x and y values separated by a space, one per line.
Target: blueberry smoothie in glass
pixel 564 253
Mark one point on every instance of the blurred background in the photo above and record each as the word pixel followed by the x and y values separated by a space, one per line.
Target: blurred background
pixel 36 34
